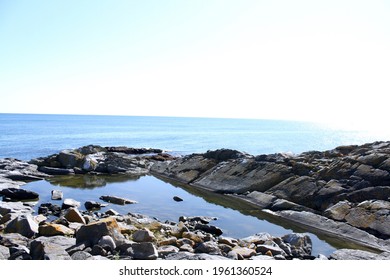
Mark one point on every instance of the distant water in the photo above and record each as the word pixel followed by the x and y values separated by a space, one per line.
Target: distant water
pixel 26 136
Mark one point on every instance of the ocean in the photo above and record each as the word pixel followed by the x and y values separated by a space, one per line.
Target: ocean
pixel 27 136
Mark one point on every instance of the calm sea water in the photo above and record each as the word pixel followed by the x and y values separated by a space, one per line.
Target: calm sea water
pixel 26 136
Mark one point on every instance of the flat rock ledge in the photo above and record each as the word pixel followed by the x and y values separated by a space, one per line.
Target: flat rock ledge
pixel 344 192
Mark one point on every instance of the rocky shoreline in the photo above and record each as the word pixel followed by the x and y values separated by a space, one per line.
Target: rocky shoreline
pixel 343 192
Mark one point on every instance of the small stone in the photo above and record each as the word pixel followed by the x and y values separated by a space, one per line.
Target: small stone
pixel 196 237
pixel 107 241
pixel 93 205
pixel 186 248
pixel 73 215
pixel 112 212
pixel 69 202
pixel 177 199
pixel 163 251
pixel 168 241
pixel 208 248
pixel 81 255
pixel 57 195
pixel 244 252
pixel 98 250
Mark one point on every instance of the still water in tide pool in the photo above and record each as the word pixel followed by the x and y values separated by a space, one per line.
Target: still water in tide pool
pixel 155 199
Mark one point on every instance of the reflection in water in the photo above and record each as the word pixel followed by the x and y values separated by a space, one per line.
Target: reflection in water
pixel 89 181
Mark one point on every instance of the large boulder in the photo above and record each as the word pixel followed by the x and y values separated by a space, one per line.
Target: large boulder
pixel 93 232
pixel 371 215
pixel 19 194
pixel 51 248
pixel 23 224
pixel 352 254
pixel 70 159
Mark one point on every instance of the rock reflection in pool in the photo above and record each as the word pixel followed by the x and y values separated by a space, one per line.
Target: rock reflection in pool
pixel 155 199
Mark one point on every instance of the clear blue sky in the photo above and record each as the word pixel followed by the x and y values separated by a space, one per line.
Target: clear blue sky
pixel 310 60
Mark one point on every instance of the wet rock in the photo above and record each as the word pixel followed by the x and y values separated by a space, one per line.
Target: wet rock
pixel 93 232
pixel 117 200
pixel 57 195
pixel 197 219
pixel 93 205
pixel 23 224
pixel 143 235
pixel 19 194
pixel 73 215
pixel 49 209
pixel 69 202
pixel 177 199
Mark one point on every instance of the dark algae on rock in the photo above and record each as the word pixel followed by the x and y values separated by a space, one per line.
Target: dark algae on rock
pixel 342 192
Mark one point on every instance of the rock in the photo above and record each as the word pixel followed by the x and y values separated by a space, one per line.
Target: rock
pixel 164 251
pixel 192 256
pixel 4 253
pixel 19 253
pixel 321 257
pixel 19 194
pixel 93 232
pixel 140 251
pixel 257 239
pixel 112 212
pixel 350 254
pixel 338 211
pixel 262 258
pixel 209 229
pixel 301 244
pixel 232 242
pixel 56 171
pixel 81 255
pixel 69 202
pixel 143 235
pixel 261 199
pixel 186 248
pixel 98 250
pixel 177 199
pixel 70 159
pixel 51 229
pixel 197 219
pixel 107 241
pixel 13 240
pixel 244 252
pixel 168 241
pixel 274 250
pixel 117 200
pixel 73 215
pixel 23 224
pixel 196 237
pixel 14 207
pixel 92 205
pixel 57 195
pixel 208 247
pixel 45 248
pixel 372 215
pixel 223 154
pixel 49 209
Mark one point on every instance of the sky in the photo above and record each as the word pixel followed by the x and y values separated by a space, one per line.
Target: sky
pixel 294 60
